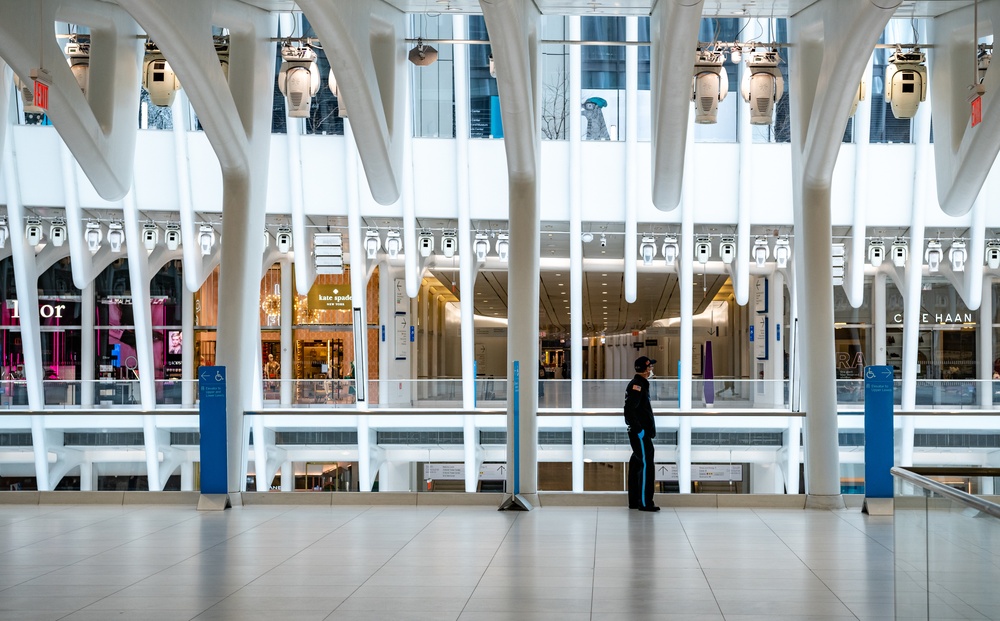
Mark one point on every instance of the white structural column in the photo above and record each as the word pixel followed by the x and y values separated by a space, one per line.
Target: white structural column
pixel 823 81
pixel 740 270
pixel 305 268
pixel 574 177
pixel 878 316
pixel 514 32
pixel 685 283
pixel 775 335
pixel 287 312
pixel 88 353
pixel 466 265
pixel 854 277
pixel 914 280
pixel 630 171
pixel 139 281
pixel 985 348
pixel 188 366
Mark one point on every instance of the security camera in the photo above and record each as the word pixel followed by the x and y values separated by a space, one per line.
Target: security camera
pixel 709 86
pixel 604 240
pixel 906 83
pixel 762 86
pixel 298 79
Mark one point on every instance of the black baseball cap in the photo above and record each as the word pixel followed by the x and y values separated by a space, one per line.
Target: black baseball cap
pixel 642 363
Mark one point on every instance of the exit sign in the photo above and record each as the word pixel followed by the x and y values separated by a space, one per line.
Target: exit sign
pixel 977 110
pixel 40 96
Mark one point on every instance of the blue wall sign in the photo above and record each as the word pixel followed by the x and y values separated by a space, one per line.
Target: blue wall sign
pixel 413 334
pixel 878 431
pixel 212 416
pixel 777 331
pixel 751 334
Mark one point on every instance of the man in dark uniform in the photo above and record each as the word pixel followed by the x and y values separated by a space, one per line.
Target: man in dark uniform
pixel 641 431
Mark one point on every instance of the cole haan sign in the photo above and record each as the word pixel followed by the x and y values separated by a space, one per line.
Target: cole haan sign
pixel 955 317
pixel 330 297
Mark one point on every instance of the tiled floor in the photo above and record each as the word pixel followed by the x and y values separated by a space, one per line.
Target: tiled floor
pixel 159 563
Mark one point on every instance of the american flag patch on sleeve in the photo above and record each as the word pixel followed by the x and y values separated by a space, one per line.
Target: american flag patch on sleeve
pixel 637 387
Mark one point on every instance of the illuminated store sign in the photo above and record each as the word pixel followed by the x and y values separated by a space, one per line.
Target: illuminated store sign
pixel 46 311
pixel 329 297
pixel 955 317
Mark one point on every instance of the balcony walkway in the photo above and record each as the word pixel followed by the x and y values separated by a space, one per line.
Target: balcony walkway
pixel 298 563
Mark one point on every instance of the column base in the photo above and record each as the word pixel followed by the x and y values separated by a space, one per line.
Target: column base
pixel 817 501
pixel 878 506
pixel 213 502
pixel 519 502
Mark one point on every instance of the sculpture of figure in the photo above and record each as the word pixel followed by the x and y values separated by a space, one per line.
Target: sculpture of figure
pixel 272 368
pixel 597 129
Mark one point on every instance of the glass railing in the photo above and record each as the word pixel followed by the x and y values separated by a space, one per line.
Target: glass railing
pixel 722 393
pixel 945 543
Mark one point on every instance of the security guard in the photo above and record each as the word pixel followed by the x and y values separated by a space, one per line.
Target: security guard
pixel 641 431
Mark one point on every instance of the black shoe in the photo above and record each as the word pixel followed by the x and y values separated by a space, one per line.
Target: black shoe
pixel 633 506
pixel 649 508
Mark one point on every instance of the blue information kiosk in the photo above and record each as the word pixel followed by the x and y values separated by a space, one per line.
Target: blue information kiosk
pixel 214 453
pixel 878 440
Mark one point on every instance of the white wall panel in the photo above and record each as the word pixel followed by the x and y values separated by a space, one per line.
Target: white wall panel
pixel 434 170
pixel 278 191
pixel 206 174
pixel 38 165
pixel 488 179
pixel 156 185
pixel 323 174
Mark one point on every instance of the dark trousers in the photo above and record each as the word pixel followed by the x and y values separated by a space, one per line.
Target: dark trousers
pixel 640 469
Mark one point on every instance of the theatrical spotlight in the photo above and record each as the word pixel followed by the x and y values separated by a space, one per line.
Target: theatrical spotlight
pixel 150 236
pixel 206 239
pixel 335 89
pixel 898 252
pixel 957 255
pixel 283 240
pixel 449 243
pixel 503 246
pixel 373 243
pixel 933 255
pixel 93 235
pixel 876 252
pixel 762 86
pixel 4 232
pixel 425 243
pixel 703 249
pixel 782 252
pixel 709 86
pixel 670 249
pixel 859 96
pixel 172 236
pixel 422 55
pixel 298 78
pixel 481 246
pixel 116 236
pixel 647 249
pixel 158 78
pixel 906 82
pixel 992 252
pixel 57 232
pixel 33 232
pixel 727 249
pixel 761 251
pixel 393 243
pixel 78 56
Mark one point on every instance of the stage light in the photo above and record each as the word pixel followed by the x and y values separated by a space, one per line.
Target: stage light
pixel 761 251
pixel 33 232
pixel 172 236
pixel 957 255
pixel 4 232
pixel 449 243
pixel 647 249
pixel 393 243
pixel 298 79
pixel 670 249
pixel 709 86
pixel 373 243
pixel 898 252
pixel 876 252
pixel 93 235
pixel 503 246
pixel 425 243
pixel 78 56
pixel 206 239
pixel 703 249
pixel 422 55
pixel 283 240
pixel 782 252
pixel 481 247
pixel 933 255
pixel 158 78
pixel 906 82
pixel 150 236
pixel 762 86
pixel 116 236
pixel 727 249
pixel 57 232
pixel 993 254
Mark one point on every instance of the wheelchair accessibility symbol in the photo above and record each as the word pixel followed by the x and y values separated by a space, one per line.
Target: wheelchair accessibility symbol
pixel 870 373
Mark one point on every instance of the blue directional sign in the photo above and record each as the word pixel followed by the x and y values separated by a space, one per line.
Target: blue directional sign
pixel 878 431
pixel 212 416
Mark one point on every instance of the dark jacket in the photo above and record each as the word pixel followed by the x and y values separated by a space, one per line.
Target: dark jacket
pixel 638 409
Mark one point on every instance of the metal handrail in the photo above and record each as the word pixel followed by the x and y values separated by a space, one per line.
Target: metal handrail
pixel 947 491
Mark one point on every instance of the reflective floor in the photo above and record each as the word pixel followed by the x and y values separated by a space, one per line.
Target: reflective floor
pixel 153 563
